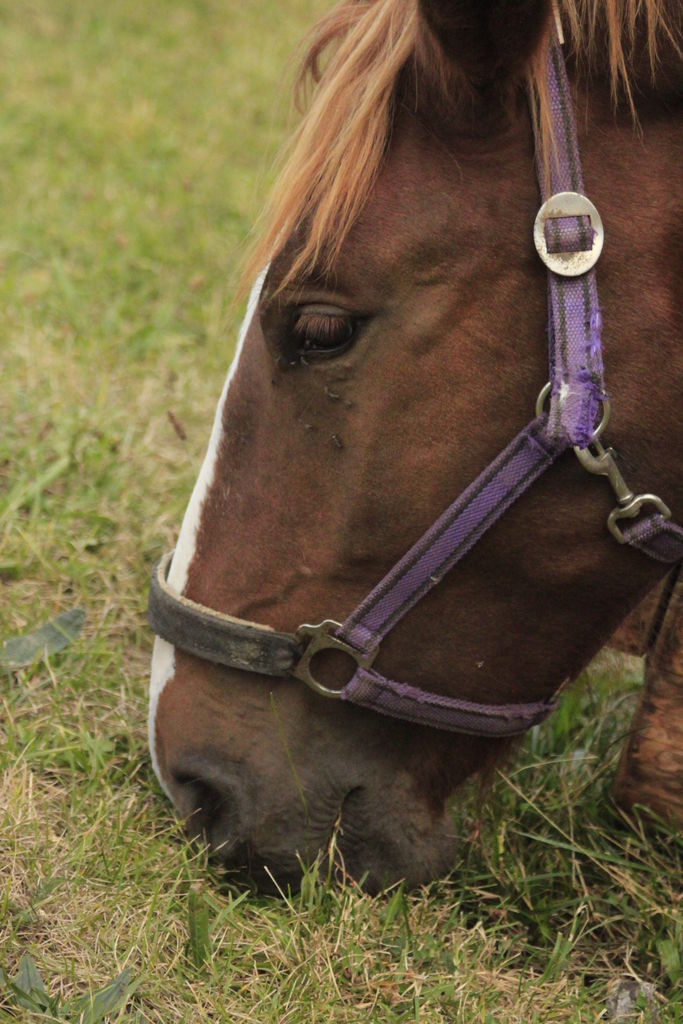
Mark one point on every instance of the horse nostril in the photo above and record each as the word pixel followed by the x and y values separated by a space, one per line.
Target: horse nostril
pixel 207 805
pixel 197 800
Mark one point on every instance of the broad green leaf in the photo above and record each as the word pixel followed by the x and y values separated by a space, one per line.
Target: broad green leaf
pixel 28 977
pixel 95 1007
pixel 27 986
pixel 34 1001
pixel 19 651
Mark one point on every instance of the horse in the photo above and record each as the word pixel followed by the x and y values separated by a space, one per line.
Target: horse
pixel 391 348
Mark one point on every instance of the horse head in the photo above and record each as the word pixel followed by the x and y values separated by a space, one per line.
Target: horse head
pixel 394 346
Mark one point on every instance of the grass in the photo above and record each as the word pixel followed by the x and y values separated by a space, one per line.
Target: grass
pixel 136 141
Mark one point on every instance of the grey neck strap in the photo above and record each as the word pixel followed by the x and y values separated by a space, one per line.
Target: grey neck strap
pixel 214 636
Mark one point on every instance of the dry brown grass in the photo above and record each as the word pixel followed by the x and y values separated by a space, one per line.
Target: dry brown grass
pixel 132 142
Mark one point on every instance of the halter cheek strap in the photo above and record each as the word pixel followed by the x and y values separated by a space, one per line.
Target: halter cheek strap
pixel 568 236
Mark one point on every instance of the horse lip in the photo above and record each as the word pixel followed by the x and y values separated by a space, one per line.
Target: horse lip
pixel 246 869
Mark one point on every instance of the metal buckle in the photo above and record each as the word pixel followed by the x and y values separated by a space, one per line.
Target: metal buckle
pixel 568 204
pixel 321 638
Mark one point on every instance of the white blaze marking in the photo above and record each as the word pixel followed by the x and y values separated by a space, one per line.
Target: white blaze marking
pixel 163 656
pixel 187 538
pixel 163 667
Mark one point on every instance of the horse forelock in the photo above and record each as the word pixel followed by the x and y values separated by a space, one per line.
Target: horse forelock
pixel 363 60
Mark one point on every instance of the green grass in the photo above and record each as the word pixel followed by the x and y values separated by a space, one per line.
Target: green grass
pixel 135 142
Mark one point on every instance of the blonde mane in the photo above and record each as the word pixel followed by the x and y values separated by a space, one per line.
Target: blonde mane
pixel 348 82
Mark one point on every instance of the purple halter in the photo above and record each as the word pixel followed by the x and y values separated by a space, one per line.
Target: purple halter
pixel 568 236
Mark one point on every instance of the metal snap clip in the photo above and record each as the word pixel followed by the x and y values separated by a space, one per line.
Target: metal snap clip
pixel 632 509
pixel 602 462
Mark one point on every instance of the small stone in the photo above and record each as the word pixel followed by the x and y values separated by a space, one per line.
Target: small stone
pixel 622 1000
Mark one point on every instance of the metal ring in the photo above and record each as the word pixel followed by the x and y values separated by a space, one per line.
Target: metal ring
pixel 606 413
pixel 568 204
pixel 321 638
pixel 544 394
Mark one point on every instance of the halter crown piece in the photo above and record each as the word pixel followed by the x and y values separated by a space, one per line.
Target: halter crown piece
pixel 568 235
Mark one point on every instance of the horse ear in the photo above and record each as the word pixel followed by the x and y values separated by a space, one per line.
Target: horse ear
pixel 487 39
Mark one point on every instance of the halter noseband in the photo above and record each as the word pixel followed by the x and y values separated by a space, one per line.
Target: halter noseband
pixel 568 235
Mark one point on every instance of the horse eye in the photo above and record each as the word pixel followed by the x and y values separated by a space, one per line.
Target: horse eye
pixel 321 334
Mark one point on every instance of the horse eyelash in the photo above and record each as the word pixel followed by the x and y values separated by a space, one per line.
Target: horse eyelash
pixel 322 330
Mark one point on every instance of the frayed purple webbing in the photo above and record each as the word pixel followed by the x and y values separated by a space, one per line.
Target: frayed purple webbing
pixel 574 314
